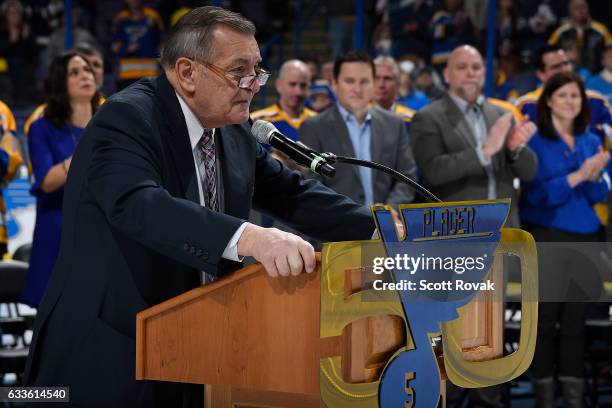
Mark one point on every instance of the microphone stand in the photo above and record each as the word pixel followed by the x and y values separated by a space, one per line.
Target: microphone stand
pixel 332 158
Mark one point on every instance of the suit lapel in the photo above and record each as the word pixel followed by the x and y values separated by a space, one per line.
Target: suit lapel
pixel 377 133
pixel 490 116
pixel 458 122
pixel 230 171
pixel 376 146
pixel 340 133
pixel 176 138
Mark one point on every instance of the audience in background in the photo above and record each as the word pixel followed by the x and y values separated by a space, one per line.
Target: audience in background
pixel 382 41
pixel 468 148
pixel 94 58
pixel 588 35
pixel 17 56
pixel 550 60
pixel 409 95
pixel 293 88
pixel 504 88
pixel 10 161
pixel 341 32
pixel 427 80
pixel 327 71
pixel 572 50
pixel 71 99
pixel 321 96
pixel 354 128
pixel 57 40
pixel 570 179
pixel 288 114
pixel 450 27
pixel 313 67
pixel 410 27
pixel 508 27
pixel 523 79
pixel 386 89
pixel 602 82
pixel 137 37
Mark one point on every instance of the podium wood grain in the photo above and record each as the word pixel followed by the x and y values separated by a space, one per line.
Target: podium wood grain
pixel 230 333
pixel 255 342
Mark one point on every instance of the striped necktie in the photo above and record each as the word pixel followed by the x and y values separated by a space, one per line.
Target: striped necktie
pixel 206 157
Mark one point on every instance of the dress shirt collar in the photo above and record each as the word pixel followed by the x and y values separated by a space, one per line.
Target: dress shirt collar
pixel 463 105
pixel 348 116
pixel 194 126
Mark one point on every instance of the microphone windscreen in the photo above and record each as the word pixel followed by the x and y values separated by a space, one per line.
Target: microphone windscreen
pixel 263 131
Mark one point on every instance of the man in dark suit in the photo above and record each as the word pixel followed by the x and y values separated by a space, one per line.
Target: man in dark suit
pixel 465 145
pixel 467 149
pixel 354 128
pixel 157 196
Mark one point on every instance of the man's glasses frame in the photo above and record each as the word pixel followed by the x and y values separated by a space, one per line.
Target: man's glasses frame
pixel 244 82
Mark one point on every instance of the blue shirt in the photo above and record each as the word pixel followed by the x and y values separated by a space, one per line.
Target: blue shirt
pixel 600 84
pixel 415 100
pixel 548 200
pixel 361 138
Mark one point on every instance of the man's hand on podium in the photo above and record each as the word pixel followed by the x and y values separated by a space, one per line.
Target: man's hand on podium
pixel 281 253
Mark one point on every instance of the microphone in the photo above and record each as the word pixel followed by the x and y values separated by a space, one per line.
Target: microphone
pixel 267 133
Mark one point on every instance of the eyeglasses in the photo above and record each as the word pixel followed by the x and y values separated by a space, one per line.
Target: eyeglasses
pixel 243 82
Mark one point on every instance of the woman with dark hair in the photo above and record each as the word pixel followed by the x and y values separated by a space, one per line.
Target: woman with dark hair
pixel 71 99
pixel 556 207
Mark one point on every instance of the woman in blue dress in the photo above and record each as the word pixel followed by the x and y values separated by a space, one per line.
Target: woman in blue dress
pixel 71 99
pixel 557 208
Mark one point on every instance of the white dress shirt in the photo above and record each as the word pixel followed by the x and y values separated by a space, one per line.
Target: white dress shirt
pixel 195 130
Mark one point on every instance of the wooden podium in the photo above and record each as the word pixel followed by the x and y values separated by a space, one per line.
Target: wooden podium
pixel 255 340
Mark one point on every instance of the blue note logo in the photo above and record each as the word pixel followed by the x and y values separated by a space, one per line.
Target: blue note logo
pixel 439 239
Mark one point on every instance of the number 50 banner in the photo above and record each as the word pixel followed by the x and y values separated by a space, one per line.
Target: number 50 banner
pixel 386 301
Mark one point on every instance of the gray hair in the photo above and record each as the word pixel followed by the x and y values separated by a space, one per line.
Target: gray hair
pixel 389 61
pixel 87 48
pixel 191 36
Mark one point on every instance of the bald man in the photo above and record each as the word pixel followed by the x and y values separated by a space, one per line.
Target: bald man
pixel 288 114
pixel 469 147
pixel 293 88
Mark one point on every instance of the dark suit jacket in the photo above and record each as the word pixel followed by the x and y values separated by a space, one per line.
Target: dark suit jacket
pixel 390 146
pixel 444 147
pixel 134 235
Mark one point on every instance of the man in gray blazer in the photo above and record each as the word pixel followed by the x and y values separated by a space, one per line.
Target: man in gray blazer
pixel 468 147
pixel 354 128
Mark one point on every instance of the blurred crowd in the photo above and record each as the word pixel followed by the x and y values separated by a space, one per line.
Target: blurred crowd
pixel 419 34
